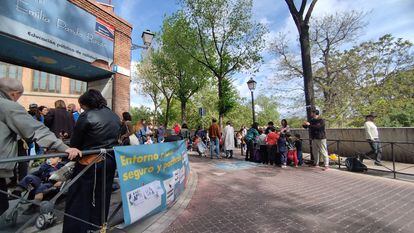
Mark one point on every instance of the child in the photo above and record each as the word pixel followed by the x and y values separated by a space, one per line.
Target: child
pixel 281 145
pixel 271 142
pixel 149 140
pixel 199 144
pixel 262 146
pixel 38 182
pixel 298 145
pixel 292 155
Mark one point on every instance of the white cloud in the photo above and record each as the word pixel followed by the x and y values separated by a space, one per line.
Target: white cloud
pixel 137 97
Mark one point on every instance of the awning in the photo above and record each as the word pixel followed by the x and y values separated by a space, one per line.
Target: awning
pixel 19 52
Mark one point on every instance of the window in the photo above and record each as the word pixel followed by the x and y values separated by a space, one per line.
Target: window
pixel 45 82
pixel 10 71
pixel 77 87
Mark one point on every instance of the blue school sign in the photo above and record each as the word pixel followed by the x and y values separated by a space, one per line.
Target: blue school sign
pixel 60 26
pixel 151 177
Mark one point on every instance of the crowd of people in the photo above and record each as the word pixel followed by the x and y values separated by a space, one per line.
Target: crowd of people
pixel 66 128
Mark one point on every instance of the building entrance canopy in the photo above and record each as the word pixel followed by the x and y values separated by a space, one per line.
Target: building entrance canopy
pixel 21 53
pixel 56 37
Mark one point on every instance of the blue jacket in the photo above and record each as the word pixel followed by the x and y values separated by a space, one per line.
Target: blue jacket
pixel 45 171
pixel 281 144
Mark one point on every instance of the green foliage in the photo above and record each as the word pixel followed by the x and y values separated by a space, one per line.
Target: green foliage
pixel 224 39
pixel 139 113
pixel 229 96
pixel 267 109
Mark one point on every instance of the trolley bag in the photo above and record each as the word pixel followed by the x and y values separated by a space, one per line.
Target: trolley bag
pixel 354 165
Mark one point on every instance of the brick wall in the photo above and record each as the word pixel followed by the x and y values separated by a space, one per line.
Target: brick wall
pixel 122 50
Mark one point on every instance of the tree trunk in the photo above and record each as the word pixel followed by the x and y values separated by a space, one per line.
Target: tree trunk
pixel 220 94
pixel 183 111
pixel 307 69
pixel 167 113
pixel 307 75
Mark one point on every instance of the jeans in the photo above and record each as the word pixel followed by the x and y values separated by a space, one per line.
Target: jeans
pixel 263 154
pixel 271 152
pixel 375 149
pixel 300 157
pixel 36 183
pixel 283 157
pixel 215 146
pixel 319 149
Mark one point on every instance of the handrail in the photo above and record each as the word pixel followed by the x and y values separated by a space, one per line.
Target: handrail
pixel 349 140
pixel 46 156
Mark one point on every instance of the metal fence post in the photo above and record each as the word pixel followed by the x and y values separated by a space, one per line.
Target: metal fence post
pixel 393 160
pixel 104 226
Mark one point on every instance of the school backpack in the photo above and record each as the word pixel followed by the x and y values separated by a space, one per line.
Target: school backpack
pixel 354 165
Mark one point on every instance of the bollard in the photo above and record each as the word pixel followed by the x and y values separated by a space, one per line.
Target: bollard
pixel 393 160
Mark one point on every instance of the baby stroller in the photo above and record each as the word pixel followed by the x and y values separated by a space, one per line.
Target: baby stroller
pixel 51 196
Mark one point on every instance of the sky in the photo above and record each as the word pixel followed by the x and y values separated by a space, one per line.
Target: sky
pixel 385 16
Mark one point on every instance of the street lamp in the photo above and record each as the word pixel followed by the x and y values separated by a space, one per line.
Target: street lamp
pixel 147 37
pixel 251 84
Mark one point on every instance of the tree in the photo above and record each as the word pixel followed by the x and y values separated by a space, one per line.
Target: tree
pixel 146 70
pixel 138 113
pixel 267 109
pixel 188 75
pixel 224 38
pixel 148 88
pixel 301 20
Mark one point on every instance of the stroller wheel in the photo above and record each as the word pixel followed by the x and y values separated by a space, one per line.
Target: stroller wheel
pixel 43 221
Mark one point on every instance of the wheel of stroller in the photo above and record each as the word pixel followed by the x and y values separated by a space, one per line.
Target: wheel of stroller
pixel 41 222
pixel 46 207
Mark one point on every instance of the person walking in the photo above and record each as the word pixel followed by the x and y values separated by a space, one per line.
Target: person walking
pixel 316 128
pixel 97 128
pixel 215 135
pixel 228 140
pixel 250 138
pixel 372 136
pixel 16 123
pixel 60 121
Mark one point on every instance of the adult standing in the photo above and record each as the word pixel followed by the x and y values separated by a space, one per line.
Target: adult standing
pixel 372 136
pixel 126 129
pixel 250 139
pixel 16 123
pixel 160 133
pixel 141 131
pixel 60 121
pixel 228 138
pixel 284 127
pixel 43 110
pixel 97 128
pixel 316 127
pixel 73 110
pixel 215 135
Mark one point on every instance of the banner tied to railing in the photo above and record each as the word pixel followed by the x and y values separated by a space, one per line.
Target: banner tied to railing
pixel 151 177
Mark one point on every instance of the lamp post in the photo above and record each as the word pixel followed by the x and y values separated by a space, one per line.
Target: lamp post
pixel 147 37
pixel 251 84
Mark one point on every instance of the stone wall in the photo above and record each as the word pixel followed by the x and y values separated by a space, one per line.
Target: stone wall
pixel 403 152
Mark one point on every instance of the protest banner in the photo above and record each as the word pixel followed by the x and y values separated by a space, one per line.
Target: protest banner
pixel 151 177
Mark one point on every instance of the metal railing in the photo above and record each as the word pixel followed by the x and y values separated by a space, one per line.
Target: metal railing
pixel 48 206
pixel 337 143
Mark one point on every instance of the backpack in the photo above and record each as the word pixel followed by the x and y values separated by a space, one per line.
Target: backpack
pixel 354 165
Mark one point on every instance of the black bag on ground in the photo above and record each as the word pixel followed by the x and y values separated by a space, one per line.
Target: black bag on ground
pixel 354 165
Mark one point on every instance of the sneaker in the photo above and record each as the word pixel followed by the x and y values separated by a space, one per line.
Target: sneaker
pixel 377 163
pixel 325 168
pixel 296 165
pixel 283 166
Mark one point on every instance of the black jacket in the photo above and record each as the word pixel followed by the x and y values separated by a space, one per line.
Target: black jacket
pixel 59 120
pixel 317 128
pixel 95 129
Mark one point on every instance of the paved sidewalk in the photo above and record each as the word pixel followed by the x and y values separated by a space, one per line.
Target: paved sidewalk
pixel 238 196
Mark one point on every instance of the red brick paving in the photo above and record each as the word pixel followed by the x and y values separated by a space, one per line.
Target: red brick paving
pixel 270 199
